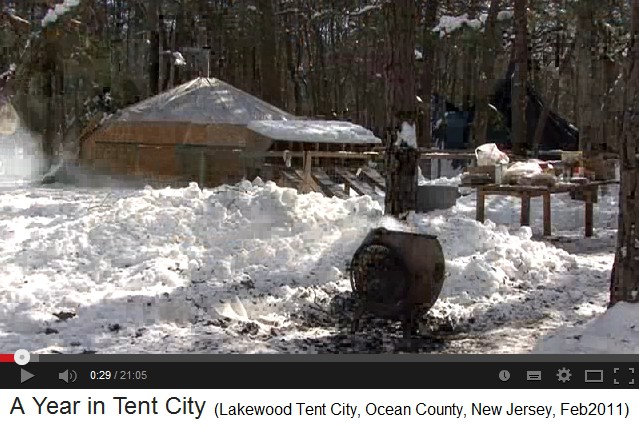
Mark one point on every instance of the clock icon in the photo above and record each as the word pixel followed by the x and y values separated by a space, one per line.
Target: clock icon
pixel 504 375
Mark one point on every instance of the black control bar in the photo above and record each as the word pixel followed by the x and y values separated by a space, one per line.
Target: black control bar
pixel 320 375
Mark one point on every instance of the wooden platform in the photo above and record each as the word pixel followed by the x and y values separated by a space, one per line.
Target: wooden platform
pixel 336 182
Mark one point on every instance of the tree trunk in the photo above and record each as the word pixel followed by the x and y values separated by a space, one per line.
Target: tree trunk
pixel 554 87
pixel 49 73
pixel 585 45
pixel 484 87
pixel 624 283
pixel 268 64
pixel 520 79
pixel 428 57
pixel 154 48
pixel 401 160
pixel 172 59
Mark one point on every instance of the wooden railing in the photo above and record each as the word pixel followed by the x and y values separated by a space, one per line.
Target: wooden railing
pixel 315 178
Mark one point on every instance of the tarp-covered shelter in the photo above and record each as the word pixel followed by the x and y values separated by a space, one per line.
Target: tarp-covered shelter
pixel 558 133
pixel 195 131
pixel 451 126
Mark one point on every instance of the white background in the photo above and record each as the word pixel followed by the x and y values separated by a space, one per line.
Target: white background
pixel 354 397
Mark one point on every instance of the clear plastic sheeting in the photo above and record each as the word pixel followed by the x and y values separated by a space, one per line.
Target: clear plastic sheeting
pixel 314 131
pixel 203 101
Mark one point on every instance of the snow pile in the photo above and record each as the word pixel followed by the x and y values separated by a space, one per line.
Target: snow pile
pixel 157 258
pixel 314 131
pixel 259 268
pixel 59 10
pixel 449 24
pixel 615 332
pixel 488 266
pixel 407 135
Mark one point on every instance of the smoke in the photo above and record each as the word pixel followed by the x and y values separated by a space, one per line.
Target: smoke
pixel 21 156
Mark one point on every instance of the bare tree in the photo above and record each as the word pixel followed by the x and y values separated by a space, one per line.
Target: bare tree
pixel 268 66
pixel 428 57
pixel 401 161
pixel 584 68
pixel 625 285
pixel 484 85
pixel 153 19
pixel 520 78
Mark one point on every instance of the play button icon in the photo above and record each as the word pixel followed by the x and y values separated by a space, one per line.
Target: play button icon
pixel 25 375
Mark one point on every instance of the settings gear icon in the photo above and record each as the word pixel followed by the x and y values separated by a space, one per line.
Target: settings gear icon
pixel 563 375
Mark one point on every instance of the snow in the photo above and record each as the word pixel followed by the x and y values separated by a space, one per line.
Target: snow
pixel 49 18
pixel 407 135
pixel 60 9
pixel 254 267
pixel 314 131
pixel 448 24
pixel 203 101
pixel 178 59
pixel 614 332
pixel 365 9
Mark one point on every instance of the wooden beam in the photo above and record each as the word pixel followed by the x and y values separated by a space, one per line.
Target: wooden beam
pixel 362 188
pixel 327 185
pixel 373 177
pixel 365 155
pixel 292 179
pixel 308 184
pixel 306 177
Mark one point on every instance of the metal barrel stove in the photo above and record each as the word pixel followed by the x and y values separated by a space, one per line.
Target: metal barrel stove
pixel 397 275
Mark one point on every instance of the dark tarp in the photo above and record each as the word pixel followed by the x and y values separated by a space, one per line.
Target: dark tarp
pixel 557 134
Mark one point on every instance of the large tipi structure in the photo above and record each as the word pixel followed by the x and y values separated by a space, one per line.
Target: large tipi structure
pixel 195 131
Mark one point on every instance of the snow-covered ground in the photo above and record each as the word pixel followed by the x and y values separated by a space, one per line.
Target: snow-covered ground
pixel 259 268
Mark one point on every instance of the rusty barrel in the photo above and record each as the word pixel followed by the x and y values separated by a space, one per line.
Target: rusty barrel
pixel 396 272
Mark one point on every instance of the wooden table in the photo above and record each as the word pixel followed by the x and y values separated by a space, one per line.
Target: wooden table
pixel 527 192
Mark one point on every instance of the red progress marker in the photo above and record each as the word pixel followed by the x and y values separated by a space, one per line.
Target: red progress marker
pixel 7 358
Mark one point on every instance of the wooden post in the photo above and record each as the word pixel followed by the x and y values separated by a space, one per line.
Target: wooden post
pixel 547 215
pixel 479 209
pixel 202 168
pixel 137 159
pixel 525 209
pixel 588 196
pixel 306 181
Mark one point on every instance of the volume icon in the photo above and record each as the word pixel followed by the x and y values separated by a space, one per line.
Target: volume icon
pixel 68 376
